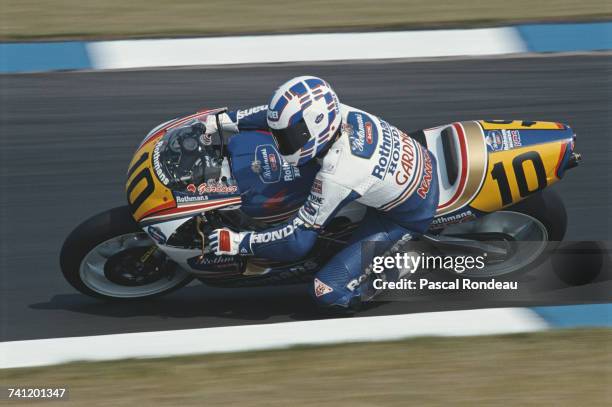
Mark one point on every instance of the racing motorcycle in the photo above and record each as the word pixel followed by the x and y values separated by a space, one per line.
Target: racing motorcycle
pixel 492 174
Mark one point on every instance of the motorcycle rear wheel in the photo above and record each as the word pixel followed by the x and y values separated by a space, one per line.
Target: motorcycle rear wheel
pixel 108 256
pixel 535 226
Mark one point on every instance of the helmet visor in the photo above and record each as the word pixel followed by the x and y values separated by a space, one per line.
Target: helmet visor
pixel 292 138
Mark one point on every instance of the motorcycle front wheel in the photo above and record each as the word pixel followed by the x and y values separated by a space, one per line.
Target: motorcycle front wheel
pixel 108 256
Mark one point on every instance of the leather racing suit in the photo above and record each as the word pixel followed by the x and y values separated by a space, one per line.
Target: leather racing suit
pixel 372 163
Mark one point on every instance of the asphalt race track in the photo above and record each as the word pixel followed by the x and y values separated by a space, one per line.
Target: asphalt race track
pixel 66 140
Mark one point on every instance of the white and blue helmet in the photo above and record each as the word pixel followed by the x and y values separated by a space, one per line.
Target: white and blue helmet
pixel 304 115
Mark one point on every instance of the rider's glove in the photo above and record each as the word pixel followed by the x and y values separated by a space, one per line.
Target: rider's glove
pixel 227 242
pixel 211 124
pixel 226 123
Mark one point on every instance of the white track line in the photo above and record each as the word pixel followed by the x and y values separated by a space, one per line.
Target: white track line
pixel 254 337
pixel 125 54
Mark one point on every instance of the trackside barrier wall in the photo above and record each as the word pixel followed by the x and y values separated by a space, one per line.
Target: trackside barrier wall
pixel 132 54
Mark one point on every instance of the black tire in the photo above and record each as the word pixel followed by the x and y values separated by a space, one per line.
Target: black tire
pixel 548 208
pixel 92 232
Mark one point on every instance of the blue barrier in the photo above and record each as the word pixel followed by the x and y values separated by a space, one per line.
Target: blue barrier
pixel 573 316
pixel 567 37
pixel 43 56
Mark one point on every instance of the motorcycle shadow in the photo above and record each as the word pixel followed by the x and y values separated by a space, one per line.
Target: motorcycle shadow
pixel 576 273
pixel 198 301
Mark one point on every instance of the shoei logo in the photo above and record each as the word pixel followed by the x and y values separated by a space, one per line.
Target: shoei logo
pixel 319 118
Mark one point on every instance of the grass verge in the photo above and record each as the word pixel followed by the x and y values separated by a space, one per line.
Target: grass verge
pixel 569 367
pixel 69 19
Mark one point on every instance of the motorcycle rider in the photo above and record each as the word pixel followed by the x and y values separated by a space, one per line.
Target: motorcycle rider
pixel 363 158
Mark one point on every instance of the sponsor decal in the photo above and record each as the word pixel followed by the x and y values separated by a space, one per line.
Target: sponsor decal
pixel 494 140
pixel 219 188
pixel 213 263
pixel 157 234
pixel 269 173
pixel 213 260
pixel 271 167
pixel 319 118
pixel 278 234
pixel 406 171
pixel 157 164
pixel 363 135
pixel 290 172
pixel 272 114
pixel 388 151
pixel 317 187
pixel 186 199
pixel 369 129
pixel 320 288
pixel 426 181
pixel 273 162
pixel 356 282
pixel 256 166
pixel 461 217
pixel 514 137
pixel 499 140
pixel 310 210
pixel 314 198
pixel 240 114
pixel 200 193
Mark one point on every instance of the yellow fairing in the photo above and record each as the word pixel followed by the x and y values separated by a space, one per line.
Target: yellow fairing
pixel 518 125
pixel 513 175
pixel 145 192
